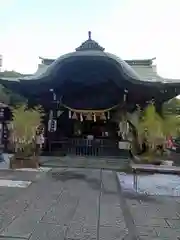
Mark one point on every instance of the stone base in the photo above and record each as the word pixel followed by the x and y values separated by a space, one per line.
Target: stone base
pixel 167 162
pixel 26 162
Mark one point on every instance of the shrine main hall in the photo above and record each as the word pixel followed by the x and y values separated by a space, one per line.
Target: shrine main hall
pixel 91 98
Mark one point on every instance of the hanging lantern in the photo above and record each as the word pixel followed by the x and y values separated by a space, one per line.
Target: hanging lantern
pixel 69 114
pixel 108 115
pixel 94 117
pixel 52 125
pixel 74 116
pixel 81 117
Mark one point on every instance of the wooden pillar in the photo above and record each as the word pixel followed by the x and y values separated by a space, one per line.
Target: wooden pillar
pixel 159 108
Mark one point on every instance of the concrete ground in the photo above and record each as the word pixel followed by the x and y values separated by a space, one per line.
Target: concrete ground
pixel 83 204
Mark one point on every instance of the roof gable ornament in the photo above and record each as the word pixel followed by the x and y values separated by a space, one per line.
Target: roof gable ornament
pixel 90 45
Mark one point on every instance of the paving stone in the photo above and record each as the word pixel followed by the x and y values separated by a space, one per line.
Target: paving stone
pixel 113 233
pixel 154 222
pixel 45 231
pixel 10 238
pixel 80 232
pixel 109 184
pixel 145 210
pixel 172 234
pixel 111 216
pixel 146 231
pixel 167 212
pixel 88 191
pixel 61 212
pixel 32 210
pixel 88 216
pixel 24 225
pixel 173 223
pixel 154 238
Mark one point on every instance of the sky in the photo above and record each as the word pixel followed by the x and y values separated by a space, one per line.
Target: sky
pixel 131 29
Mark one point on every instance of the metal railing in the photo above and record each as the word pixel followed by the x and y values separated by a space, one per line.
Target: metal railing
pixel 85 147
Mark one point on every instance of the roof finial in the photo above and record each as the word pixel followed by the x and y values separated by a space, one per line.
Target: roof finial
pixel 89 35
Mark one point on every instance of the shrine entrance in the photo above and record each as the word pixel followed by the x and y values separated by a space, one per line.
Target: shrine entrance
pixel 84 134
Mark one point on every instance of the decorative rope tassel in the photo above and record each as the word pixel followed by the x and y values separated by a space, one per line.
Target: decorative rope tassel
pixel 59 112
pixel 108 115
pixel 81 117
pixel 94 117
pixel 69 114
pixel 74 116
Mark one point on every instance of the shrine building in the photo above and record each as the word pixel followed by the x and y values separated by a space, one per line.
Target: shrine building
pixel 91 98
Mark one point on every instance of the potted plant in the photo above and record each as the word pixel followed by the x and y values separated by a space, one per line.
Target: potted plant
pixel 24 125
pixel 153 130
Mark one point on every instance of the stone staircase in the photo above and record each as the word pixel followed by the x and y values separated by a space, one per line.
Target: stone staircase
pixel 114 163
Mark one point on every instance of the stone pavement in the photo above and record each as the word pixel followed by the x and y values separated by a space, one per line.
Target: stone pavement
pixel 66 204
pixel 75 204
pixel 155 214
pixel 11 185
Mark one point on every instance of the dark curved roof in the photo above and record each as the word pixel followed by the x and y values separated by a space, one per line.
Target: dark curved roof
pixel 89 74
pixel 131 62
pixel 91 54
pixel 90 49
pixel 122 66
